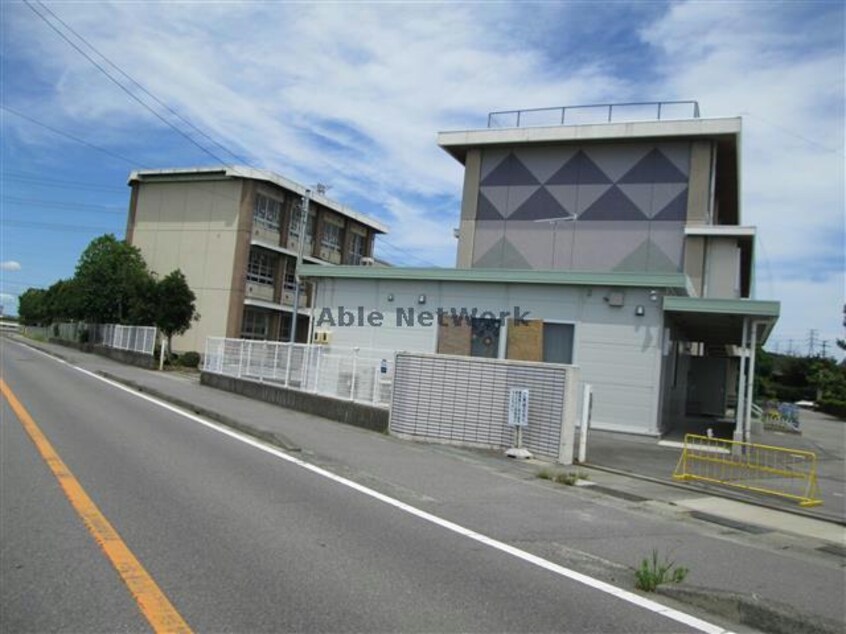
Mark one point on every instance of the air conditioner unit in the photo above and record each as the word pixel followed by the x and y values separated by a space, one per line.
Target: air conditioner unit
pixel 365 261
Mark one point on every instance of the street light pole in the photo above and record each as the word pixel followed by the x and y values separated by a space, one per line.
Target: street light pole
pixel 303 225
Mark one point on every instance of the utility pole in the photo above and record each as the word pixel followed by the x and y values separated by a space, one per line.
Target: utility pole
pixel 823 345
pixel 303 225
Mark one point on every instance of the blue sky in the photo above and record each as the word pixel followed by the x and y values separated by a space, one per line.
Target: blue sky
pixel 353 95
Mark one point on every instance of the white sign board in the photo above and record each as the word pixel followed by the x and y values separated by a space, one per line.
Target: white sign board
pixel 518 408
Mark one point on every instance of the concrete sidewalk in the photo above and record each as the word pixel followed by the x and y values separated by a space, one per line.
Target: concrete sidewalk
pixel 788 564
pixel 651 458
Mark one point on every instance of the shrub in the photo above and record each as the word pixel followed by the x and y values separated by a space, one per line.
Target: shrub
pixel 189 359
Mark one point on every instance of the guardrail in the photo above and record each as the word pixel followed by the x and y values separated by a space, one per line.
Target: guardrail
pixel 359 374
pixel 594 113
pixel 779 471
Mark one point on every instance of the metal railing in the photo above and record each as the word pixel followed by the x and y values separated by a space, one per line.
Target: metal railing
pixel 594 113
pixel 140 339
pixel 779 471
pixel 357 374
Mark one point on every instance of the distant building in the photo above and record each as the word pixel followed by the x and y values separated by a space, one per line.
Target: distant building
pixel 619 229
pixel 234 233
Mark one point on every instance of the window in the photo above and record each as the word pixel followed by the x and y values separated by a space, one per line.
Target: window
pixel 266 212
pixel 294 225
pixel 261 267
pixel 558 343
pixel 356 252
pixel 331 237
pixel 256 324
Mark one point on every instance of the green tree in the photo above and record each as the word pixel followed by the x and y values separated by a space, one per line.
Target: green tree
pixel 32 307
pixel 176 307
pixel 62 301
pixel 110 277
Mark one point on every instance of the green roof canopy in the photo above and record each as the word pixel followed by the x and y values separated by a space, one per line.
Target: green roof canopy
pixel 507 276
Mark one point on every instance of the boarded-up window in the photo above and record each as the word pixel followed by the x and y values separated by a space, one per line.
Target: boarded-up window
pixel 454 338
pixel 525 340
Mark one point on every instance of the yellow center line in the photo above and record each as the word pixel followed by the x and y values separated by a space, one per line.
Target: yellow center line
pixel 154 605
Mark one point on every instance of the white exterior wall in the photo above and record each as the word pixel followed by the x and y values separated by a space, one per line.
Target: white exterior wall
pixel 618 352
pixel 723 268
pixel 192 227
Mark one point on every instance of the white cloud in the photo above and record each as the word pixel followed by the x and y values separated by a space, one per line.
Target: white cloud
pixel 354 94
pixel 744 58
pixel 10 265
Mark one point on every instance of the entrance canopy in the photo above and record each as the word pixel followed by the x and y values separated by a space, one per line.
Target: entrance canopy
pixel 721 321
pixel 741 324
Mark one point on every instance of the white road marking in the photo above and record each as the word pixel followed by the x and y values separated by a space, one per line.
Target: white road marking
pixel 596 584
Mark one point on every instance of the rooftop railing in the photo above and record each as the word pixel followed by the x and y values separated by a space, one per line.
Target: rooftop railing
pixel 595 113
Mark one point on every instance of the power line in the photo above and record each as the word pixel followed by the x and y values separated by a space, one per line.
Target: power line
pixel 71 137
pixel 54 182
pixel 405 253
pixel 140 86
pixel 121 86
pixel 36 202
pixel 52 226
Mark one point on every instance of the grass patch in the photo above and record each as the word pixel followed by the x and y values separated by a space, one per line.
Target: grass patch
pixel 652 573
pixel 567 478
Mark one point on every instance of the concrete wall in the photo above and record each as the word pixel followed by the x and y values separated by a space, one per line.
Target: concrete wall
pixel 619 353
pixel 356 414
pixel 192 226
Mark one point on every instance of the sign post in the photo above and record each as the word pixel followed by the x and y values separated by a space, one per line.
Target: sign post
pixel 518 417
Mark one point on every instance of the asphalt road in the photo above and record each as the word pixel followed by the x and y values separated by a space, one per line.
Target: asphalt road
pixel 240 539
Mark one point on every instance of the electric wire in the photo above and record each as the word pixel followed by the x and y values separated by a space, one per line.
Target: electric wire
pixel 141 87
pixel 122 87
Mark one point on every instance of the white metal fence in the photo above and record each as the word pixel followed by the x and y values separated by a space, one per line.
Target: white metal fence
pixel 140 339
pixel 358 374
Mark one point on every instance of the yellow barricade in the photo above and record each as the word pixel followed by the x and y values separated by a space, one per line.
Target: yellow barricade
pixel 787 473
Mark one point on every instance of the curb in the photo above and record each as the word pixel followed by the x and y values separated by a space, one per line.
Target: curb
pixel 753 611
pixel 721 494
pixel 272 438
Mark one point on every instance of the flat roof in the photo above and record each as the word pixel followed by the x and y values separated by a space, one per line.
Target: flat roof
pixel 457 143
pixel 747 307
pixel 720 321
pixel 504 276
pixel 183 174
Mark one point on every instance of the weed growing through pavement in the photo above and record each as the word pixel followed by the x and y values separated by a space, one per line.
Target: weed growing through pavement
pixel 652 574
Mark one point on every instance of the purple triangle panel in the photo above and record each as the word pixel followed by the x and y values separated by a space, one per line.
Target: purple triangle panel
pixel 486 209
pixel 612 205
pixel 654 168
pixel 510 171
pixel 579 170
pixel 540 206
pixel 675 210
